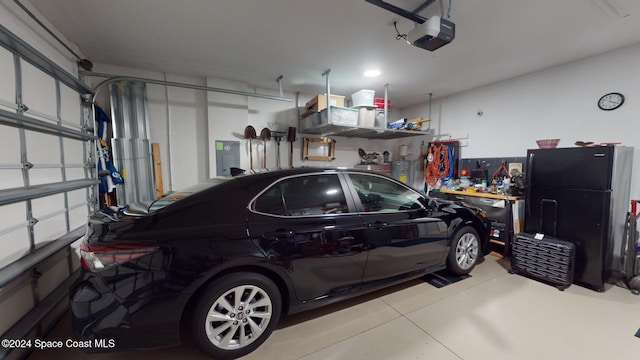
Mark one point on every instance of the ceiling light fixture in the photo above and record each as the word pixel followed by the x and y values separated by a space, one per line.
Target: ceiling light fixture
pixel 372 73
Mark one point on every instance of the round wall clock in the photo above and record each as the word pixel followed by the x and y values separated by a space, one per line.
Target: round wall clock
pixel 611 101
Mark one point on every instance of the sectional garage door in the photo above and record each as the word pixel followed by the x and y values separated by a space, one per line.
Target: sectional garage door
pixel 47 185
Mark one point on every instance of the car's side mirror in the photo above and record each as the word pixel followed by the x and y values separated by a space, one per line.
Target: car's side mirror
pixel 429 203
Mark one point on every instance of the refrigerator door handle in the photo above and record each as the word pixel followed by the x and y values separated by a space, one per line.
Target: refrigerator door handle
pixel 553 204
pixel 528 182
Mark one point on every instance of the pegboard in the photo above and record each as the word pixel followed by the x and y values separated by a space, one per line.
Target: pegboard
pixel 491 164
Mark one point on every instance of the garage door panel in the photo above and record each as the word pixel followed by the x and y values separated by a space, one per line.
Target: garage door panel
pixel 44 206
pixel 76 197
pixel 73 151
pixel 78 216
pixel 39 148
pixel 18 298
pixel 10 140
pixel 14 245
pixel 12 215
pixel 42 148
pixel 11 178
pixel 51 214
pixel 70 111
pixel 55 274
pixel 78 210
pixel 10 163
pixel 74 174
pixel 49 229
pixel 8 76
pixel 38 92
pixel 44 176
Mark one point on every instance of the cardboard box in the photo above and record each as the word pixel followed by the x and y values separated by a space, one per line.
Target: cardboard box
pixel 319 103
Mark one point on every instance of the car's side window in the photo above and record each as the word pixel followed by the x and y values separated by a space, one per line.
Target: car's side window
pixel 270 202
pixel 380 194
pixel 302 196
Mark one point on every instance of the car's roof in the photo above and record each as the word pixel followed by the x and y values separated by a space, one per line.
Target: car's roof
pixel 300 170
pixel 249 183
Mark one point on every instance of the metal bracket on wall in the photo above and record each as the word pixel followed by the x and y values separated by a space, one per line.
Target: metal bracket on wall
pixel 438 137
pixel 32 221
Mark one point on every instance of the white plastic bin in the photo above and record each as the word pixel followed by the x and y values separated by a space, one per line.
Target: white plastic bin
pixel 362 98
pixel 367 117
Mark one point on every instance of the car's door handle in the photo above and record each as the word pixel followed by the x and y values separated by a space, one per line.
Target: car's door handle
pixel 279 233
pixel 378 225
pixel 328 225
pixel 357 247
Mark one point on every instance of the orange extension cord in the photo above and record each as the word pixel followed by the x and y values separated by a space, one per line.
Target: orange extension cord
pixel 438 167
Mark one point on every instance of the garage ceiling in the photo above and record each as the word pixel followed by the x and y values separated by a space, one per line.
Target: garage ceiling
pixel 256 41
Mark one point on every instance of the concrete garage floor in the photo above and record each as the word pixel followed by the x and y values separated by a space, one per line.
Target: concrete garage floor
pixel 491 315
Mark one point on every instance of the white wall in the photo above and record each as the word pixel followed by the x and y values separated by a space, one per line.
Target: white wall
pixel 187 122
pixel 554 103
pixel 228 115
pixel 15 19
pixel 559 102
pixel 187 125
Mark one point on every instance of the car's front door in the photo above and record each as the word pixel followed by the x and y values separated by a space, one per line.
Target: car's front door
pixel 307 226
pixel 401 235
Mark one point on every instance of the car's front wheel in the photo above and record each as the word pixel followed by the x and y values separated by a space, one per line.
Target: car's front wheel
pixel 464 252
pixel 236 314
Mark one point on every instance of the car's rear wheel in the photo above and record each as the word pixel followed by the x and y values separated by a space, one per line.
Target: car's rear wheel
pixel 464 251
pixel 236 314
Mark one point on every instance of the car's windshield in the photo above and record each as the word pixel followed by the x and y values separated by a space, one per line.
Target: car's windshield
pixel 172 197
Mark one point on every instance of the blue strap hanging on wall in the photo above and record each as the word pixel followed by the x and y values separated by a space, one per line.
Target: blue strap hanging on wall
pixel 109 174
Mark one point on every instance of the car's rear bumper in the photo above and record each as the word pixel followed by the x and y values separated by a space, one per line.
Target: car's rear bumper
pixel 112 322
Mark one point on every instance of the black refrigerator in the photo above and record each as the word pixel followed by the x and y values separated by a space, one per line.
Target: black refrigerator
pixel 581 194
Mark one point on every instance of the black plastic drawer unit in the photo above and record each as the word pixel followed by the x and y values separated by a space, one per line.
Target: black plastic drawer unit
pixel 548 259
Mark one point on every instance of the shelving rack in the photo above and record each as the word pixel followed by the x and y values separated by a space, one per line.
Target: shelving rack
pixel 330 129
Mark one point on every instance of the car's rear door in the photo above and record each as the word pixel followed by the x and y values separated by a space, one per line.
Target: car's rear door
pixel 401 235
pixel 307 226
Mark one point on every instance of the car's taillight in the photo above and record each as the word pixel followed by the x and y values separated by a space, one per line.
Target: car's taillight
pixel 100 257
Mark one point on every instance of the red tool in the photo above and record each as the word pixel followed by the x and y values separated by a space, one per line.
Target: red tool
pixel 503 167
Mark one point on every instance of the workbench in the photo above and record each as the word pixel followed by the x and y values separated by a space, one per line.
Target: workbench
pixel 505 212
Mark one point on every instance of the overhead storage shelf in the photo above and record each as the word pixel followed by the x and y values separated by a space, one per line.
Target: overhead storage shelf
pixel 339 121
pixel 363 132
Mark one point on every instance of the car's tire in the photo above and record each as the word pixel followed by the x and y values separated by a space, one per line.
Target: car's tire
pixel 464 252
pixel 235 315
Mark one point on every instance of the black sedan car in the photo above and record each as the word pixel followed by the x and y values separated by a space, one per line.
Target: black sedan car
pixel 226 262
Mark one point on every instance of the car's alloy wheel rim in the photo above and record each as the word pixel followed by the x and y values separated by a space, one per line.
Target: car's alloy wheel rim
pixel 238 317
pixel 466 251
